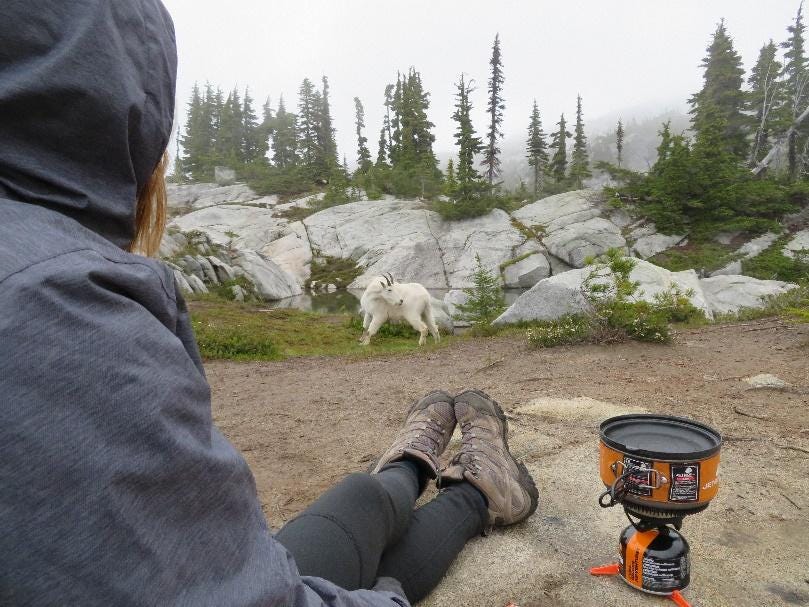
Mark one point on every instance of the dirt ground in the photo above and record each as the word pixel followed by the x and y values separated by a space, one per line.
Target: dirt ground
pixel 303 424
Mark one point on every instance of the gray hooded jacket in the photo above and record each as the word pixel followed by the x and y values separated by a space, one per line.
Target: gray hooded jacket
pixel 115 487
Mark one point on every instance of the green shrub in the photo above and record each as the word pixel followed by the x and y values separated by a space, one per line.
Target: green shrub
pixel 676 305
pixel 485 299
pixel 334 270
pixel 640 320
pixel 571 329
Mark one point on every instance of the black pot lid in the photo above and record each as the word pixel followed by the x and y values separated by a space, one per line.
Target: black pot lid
pixel 662 437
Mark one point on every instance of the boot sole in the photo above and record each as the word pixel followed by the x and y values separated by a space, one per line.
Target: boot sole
pixel 526 481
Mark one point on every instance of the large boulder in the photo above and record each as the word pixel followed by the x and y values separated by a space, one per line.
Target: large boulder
pixel 549 299
pixel 555 212
pixel 452 300
pixel 412 243
pixel 573 225
pixel 172 244
pixel 235 226
pixel 201 195
pixel 563 294
pixel 648 246
pixel 576 242
pixel 527 271
pixel 292 252
pixel 729 294
pixel 270 280
pixel 800 243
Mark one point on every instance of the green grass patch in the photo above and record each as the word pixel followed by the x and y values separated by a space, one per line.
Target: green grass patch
pixel 772 264
pixel 244 332
pixel 334 270
pixel 709 256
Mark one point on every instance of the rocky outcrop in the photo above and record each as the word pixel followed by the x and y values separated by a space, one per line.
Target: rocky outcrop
pixel 412 243
pixel 563 294
pixel 649 246
pixel 747 251
pixel 270 280
pixel 201 195
pixel 538 242
pixel 729 294
pixel 798 245
pixel 572 226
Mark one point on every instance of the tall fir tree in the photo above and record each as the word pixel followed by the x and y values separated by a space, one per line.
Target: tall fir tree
pixel 537 149
pixel 796 80
pixel 580 158
pixel 468 143
pixel 230 134
pixel 196 141
pixel 619 142
pixel 382 150
pixel 558 165
pixel 395 137
pixel 253 141
pixel 450 183
pixel 308 126
pixel 325 134
pixel 764 99
pixel 284 138
pixel 721 95
pixel 495 106
pixel 363 154
pixel 664 148
pixel 386 124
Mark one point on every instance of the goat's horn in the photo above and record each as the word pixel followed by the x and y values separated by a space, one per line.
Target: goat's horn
pixel 389 276
pixel 382 283
pixel 387 280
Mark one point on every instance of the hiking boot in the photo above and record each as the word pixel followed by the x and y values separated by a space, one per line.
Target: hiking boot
pixel 425 434
pixel 485 461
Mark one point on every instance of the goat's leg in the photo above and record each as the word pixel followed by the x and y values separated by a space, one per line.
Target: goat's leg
pixel 428 318
pixel 373 327
pixel 415 321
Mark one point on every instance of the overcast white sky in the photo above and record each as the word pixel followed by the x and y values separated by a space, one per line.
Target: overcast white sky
pixel 635 57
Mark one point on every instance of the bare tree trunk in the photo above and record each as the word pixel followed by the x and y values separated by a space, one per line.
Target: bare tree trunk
pixel 791 131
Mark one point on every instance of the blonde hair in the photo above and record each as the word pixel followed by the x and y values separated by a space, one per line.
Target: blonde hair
pixel 150 216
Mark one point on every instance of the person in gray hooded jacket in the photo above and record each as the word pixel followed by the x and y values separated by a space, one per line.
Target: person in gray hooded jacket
pixel 115 486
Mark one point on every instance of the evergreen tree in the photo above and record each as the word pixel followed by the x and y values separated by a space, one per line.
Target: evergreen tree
pixel 363 155
pixel 664 149
pixel 485 300
pixel 450 183
pixel 325 128
pixel 468 143
pixel 558 166
pixel 386 125
pixel 285 138
pixel 619 141
pixel 495 107
pixel 196 142
pixel 722 93
pixel 230 134
pixel 308 147
pixel 253 142
pixel 395 136
pixel 537 149
pixel 382 153
pixel 764 99
pixel 580 159
pixel 796 80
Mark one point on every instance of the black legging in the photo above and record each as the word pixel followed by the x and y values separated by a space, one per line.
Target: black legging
pixel 365 527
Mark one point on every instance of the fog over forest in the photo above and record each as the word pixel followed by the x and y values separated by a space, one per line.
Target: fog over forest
pixel 632 59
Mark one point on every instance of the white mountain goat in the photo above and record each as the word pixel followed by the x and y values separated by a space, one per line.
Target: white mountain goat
pixel 384 299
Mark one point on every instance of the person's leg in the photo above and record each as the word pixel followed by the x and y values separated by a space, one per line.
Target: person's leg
pixel 437 533
pixel 342 535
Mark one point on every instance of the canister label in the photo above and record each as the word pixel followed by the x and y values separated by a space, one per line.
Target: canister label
pixel 684 483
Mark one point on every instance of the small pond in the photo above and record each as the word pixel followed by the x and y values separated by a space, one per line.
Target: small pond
pixel 348 302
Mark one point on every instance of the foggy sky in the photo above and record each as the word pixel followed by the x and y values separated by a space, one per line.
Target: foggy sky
pixel 631 57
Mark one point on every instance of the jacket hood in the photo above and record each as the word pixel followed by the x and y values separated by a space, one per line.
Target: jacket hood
pixel 86 106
